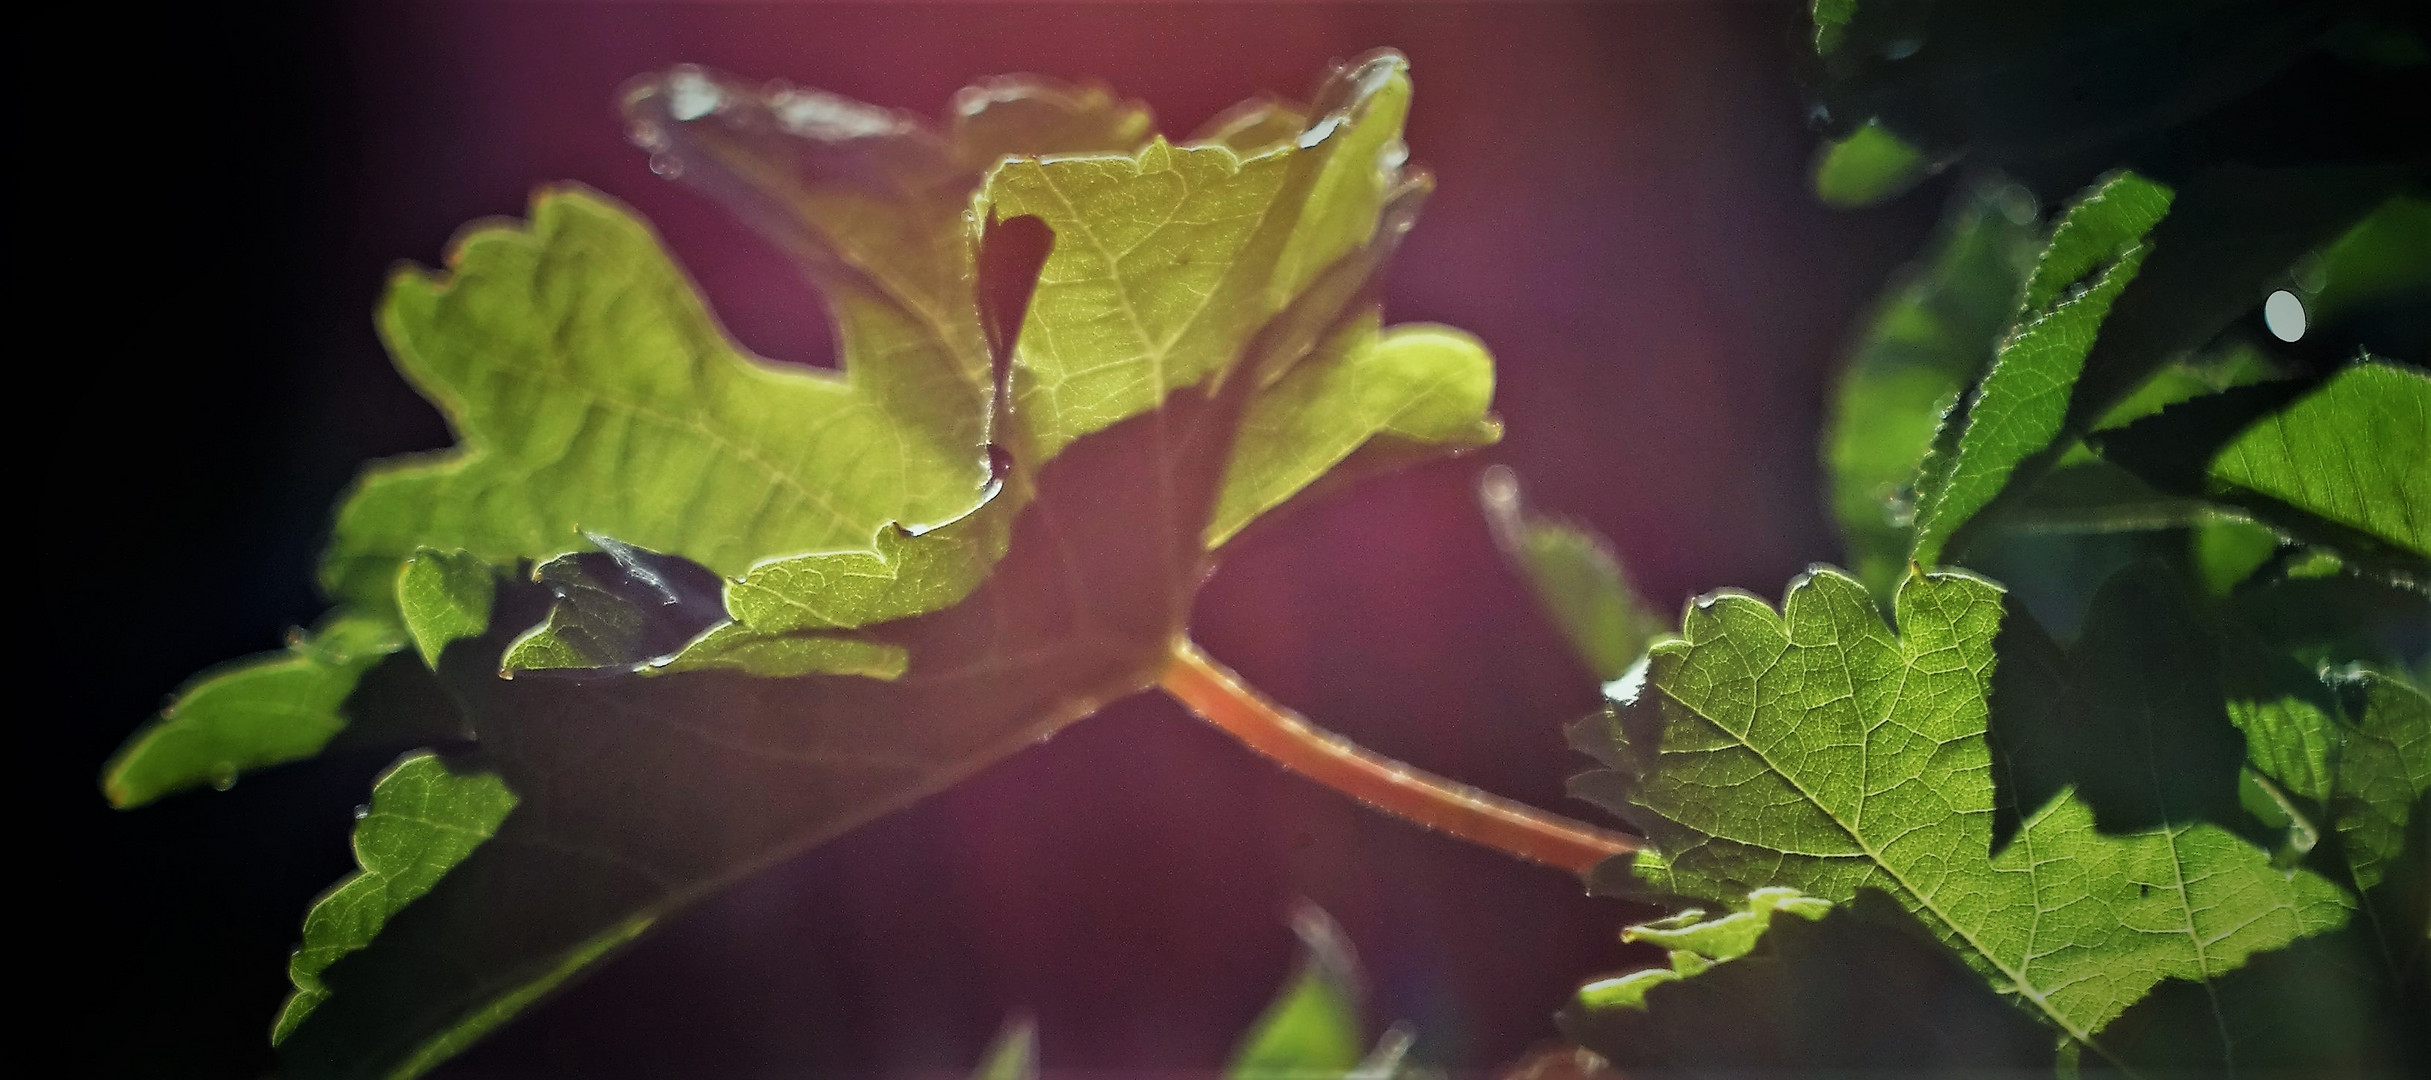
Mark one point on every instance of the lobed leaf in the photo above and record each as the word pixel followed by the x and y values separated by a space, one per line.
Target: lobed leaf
pixel 426 815
pixel 1813 748
pixel 656 750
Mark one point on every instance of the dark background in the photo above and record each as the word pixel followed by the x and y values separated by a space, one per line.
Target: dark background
pixel 208 204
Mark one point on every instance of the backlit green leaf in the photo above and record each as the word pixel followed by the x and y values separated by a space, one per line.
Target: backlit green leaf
pixel 1814 749
pixel 1187 291
pixel 2018 411
pixel 1311 1031
pixel 1929 337
pixel 253 713
pixel 2363 752
pixel 425 816
pixel 444 597
pixel 1577 580
pixel 2356 452
pixel 1869 166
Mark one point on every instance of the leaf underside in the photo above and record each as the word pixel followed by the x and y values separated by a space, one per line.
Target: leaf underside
pixel 743 607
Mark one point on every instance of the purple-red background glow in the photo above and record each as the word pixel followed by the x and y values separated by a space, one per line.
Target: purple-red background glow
pixel 1621 214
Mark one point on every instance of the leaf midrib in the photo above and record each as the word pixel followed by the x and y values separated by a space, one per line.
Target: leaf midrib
pixel 2024 988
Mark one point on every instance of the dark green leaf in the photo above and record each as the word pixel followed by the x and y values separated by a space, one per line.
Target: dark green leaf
pixel 1860 991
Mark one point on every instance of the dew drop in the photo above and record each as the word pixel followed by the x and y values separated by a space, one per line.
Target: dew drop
pixel 646 134
pixel 2284 315
pixel 1901 49
pixel 667 165
pixel 223 775
pixel 362 810
pixel 1705 602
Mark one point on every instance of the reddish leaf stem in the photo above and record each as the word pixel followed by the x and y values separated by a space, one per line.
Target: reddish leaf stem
pixel 1220 697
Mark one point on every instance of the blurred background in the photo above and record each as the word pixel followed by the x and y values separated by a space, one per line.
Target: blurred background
pixel 211 204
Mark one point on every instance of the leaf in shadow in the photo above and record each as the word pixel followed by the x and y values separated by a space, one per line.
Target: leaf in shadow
pixel 1863 989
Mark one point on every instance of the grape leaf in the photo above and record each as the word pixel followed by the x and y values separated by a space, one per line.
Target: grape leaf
pixel 1814 749
pixel 1930 336
pixel 652 766
pixel 2361 752
pixel 778 460
pixel 2132 718
pixel 1855 989
pixel 2017 412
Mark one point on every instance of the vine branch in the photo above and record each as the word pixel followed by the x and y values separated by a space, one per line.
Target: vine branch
pixel 1220 697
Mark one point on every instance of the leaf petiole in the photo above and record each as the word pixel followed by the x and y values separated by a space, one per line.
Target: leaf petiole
pixel 1220 697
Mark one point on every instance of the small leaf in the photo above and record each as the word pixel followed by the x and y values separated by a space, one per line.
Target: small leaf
pixel 1696 943
pixel 251 714
pixel 1014 1054
pixel 1869 167
pixel 1312 1029
pixel 444 597
pixel 2228 552
pixel 1930 336
pixel 2018 410
pixel 1830 18
pixel 1850 989
pixel 1857 759
pixel 1577 580
pixel 615 607
pixel 425 816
